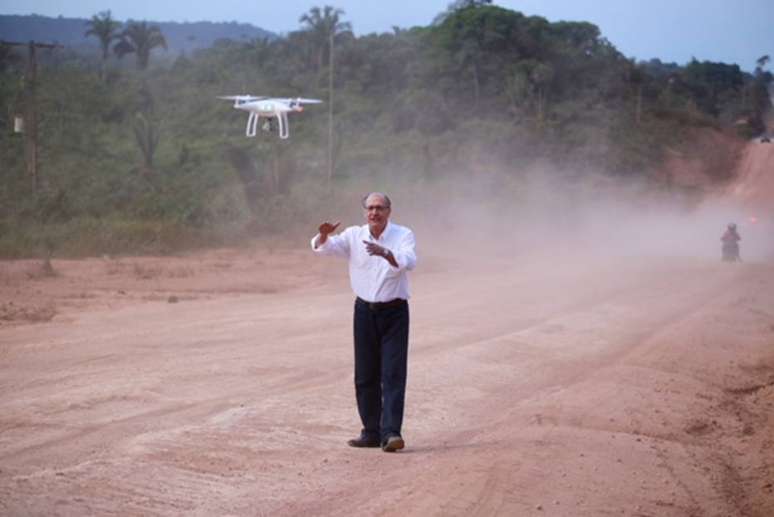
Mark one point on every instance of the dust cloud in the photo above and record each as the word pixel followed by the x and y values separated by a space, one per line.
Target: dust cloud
pixel 560 216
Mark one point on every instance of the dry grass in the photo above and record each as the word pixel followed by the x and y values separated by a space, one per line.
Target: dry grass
pixel 10 312
pixel 44 270
pixel 144 272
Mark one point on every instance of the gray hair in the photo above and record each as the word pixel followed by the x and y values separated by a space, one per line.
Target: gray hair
pixel 384 196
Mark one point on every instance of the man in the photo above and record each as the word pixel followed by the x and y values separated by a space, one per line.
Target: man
pixel 730 240
pixel 380 254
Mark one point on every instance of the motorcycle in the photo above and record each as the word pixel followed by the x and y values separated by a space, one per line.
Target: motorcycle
pixel 731 252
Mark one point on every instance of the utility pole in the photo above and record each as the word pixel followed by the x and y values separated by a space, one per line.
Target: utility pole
pixel 30 108
pixel 330 112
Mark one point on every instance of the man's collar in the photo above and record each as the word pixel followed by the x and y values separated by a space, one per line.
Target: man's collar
pixel 384 232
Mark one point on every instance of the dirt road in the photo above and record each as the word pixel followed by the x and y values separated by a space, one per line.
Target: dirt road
pixel 537 386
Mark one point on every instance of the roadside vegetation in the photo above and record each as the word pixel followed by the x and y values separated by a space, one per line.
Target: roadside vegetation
pixel 137 154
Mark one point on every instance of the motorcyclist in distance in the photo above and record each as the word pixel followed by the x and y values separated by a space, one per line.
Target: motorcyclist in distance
pixel 730 240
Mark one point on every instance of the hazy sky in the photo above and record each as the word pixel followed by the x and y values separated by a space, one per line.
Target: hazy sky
pixel 732 31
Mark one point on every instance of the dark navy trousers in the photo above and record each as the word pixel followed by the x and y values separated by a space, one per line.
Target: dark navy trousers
pixel 381 357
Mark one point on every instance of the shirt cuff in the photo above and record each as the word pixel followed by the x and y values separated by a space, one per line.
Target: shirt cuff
pixel 398 260
pixel 315 246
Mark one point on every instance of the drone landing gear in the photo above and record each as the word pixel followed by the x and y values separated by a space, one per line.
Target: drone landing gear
pixel 268 124
pixel 282 124
pixel 252 125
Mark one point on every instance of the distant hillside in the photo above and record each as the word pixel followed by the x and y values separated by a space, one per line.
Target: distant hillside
pixel 181 37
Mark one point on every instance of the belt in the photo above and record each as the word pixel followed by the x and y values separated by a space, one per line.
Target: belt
pixel 376 306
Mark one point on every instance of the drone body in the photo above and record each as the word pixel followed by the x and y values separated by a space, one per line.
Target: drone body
pixel 269 108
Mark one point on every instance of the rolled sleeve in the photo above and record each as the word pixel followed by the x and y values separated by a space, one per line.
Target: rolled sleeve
pixel 314 242
pixel 337 245
pixel 405 255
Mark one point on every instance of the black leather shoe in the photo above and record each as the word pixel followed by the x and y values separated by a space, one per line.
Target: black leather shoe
pixel 363 441
pixel 393 443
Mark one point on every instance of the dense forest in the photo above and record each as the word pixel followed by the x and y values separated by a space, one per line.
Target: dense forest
pixel 137 154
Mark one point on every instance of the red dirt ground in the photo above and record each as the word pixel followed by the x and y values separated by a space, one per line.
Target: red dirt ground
pixel 220 383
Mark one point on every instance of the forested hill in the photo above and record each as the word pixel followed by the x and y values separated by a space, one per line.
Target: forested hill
pixel 135 152
pixel 181 37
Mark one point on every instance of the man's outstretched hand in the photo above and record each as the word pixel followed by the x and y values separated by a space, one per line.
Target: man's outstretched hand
pixel 374 249
pixel 326 229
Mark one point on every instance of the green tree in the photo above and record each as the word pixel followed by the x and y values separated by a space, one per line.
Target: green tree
pixel 323 25
pixel 146 135
pixel 8 57
pixel 711 84
pixel 636 77
pixel 456 6
pixel 760 98
pixel 105 28
pixel 140 38
pixel 477 44
pixel 528 85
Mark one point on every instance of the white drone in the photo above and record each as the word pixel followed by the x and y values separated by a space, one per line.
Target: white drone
pixel 268 107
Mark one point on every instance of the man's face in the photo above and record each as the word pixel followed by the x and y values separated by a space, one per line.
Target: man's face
pixel 376 211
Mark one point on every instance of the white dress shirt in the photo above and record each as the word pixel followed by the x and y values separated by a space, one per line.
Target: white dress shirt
pixel 373 278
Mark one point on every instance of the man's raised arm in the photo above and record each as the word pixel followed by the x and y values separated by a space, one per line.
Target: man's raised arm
pixel 325 243
pixel 324 230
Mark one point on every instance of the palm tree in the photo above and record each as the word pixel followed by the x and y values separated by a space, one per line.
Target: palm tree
pixel 138 37
pixel 761 62
pixel 324 24
pixel 104 27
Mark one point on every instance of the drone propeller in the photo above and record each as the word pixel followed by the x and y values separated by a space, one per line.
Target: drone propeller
pixel 301 100
pixel 246 98
pixel 298 102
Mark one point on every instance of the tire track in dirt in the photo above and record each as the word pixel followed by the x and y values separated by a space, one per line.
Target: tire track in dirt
pixel 113 430
pixel 266 437
pixel 488 430
pixel 701 303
